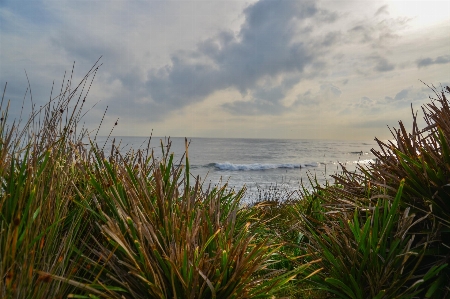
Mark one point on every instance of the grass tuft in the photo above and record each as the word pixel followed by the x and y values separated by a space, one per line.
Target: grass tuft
pixel 77 222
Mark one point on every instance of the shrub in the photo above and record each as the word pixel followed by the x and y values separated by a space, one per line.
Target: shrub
pixel 379 240
pixel 370 255
pixel 155 240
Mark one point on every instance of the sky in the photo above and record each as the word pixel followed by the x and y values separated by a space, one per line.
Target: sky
pixel 232 69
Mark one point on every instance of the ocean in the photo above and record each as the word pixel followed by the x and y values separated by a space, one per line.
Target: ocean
pixel 267 168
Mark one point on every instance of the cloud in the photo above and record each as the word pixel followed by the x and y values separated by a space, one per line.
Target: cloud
pixel 16 17
pixel 424 62
pixel 382 64
pixel 86 47
pixel 378 33
pixel 329 39
pixel 265 99
pixel 278 43
pixel 327 93
pixel 170 64
pixel 406 96
pixel 330 89
pixel 382 10
pixel 401 95
pixel 255 107
pixel 272 43
pixel 379 112
pixel 388 104
pixel 366 102
pixel 411 95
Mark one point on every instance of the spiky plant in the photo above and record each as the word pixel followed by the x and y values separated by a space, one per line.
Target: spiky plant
pixel 369 255
pixel 419 163
pixel 422 158
pixel 158 236
pixel 39 223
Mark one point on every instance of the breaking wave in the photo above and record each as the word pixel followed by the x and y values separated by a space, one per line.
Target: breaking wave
pixel 260 166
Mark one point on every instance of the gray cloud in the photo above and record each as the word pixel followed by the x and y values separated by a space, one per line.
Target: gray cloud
pixel 382 10
pixel 387 111
pixel 307 99
pixel 382 64
pixel 328 88
pixel 272 42
pixel 328 92
pixel 271 52
pixel 86 47
pixel 278 43
pixel 329 39
pixel 17 17
pixel 264 100
pixel 401 95
pixel 424 62
pixel 378 33
pixel 255 107
pixel 406 96
pixel 366 102
pixel 402 99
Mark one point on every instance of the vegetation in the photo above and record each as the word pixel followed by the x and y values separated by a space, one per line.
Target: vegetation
pixel 77 221
pixel 384 233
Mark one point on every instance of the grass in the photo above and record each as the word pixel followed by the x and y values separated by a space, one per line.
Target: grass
pixel 76 223
pixel 79 221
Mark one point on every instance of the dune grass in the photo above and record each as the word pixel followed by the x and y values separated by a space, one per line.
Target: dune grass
pixel 79 221
pixel 382 232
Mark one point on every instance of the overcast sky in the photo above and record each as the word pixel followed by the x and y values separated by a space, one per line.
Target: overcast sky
pixel 250 69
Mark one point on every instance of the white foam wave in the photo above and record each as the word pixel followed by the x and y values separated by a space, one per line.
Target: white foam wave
pixel 367 161
pixel 260 166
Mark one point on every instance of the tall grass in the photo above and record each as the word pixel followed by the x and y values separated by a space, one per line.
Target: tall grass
pixel 39 222
pixel 79 223
pixel 383 232
pixel 157 240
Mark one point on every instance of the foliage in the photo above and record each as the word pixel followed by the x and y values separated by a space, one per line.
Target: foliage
pixel 370 255
pixel 379 240
pixel 77 223
pixel 155 240
pixel 151 233
pixel 39 223
pixel 423 159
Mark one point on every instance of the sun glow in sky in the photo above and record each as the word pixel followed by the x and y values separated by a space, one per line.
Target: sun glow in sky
pixel 424 13
pixel 251 69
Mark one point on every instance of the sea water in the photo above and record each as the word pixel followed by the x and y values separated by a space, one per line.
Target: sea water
pixel 265 167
